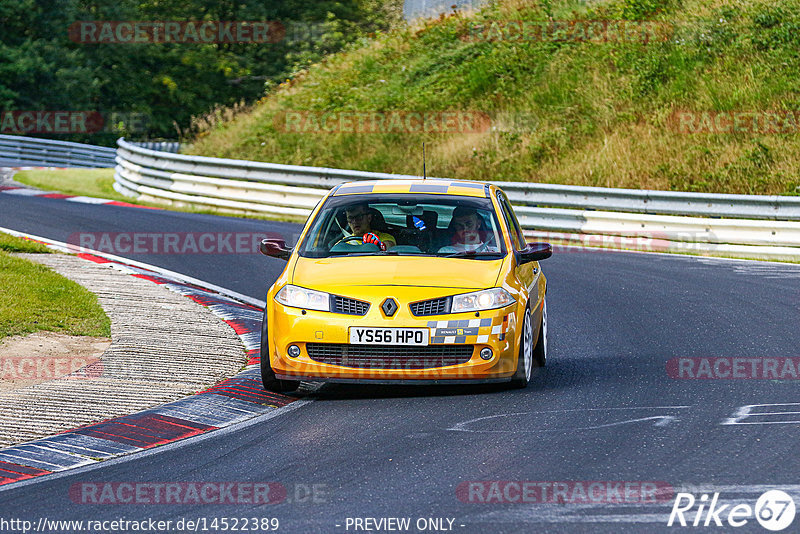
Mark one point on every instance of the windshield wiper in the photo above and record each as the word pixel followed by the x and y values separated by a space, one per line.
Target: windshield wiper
pixel 468 254
pixel 375 253
pixel 339 253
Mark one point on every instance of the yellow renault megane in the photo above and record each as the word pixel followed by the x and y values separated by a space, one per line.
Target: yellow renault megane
pixel 410 282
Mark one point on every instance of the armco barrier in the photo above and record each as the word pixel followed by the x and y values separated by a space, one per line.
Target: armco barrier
pixel 19 150
pixel 654 202
pixel 161 146
pixel 755 226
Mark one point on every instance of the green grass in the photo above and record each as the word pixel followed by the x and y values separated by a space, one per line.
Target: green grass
pixel 85 182
pixel 98 183
pixel 10 243
pixel 34 298
pixel 599 113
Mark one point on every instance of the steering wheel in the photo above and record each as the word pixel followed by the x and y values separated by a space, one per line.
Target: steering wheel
pixel 484 247
pixel 348 239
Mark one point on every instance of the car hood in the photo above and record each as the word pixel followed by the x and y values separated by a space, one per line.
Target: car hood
pixel 328 273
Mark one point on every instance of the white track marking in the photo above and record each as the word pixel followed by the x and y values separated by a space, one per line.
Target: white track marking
pixel 89 200
pixel 662 420
pixel 532 513
pixel 24 192
pixel 744 412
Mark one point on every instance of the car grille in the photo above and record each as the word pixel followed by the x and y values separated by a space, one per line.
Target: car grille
pixel 430 307
pixel 349 306
pixel 389 356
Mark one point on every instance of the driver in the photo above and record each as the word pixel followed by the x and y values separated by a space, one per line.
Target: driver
pixel 467 230
pixel 359 219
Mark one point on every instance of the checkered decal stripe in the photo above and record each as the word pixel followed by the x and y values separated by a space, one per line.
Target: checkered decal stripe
pixel 467 330
pixel 472 189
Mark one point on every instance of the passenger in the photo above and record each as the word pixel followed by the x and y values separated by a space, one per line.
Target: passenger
pixel 467 231
pixel 360 221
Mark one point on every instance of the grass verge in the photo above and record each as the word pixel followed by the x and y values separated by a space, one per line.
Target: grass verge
pixel 84 182
pixel 9 243
pixel 570 111
pixel 98 183
pixel 34 298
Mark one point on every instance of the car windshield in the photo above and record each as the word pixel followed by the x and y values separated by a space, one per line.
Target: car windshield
pixel 405 225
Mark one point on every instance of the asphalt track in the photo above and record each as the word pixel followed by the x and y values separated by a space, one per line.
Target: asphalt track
pixel 604 409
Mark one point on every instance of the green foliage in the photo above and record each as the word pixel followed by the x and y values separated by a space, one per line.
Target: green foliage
pixel 602 108
pixel 641 9
pixel 167 84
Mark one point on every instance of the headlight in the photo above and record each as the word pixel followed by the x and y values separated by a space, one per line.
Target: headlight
pixel 488 299
pixel 300 297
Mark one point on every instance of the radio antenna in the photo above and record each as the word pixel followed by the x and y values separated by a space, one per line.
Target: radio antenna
pixel 423 161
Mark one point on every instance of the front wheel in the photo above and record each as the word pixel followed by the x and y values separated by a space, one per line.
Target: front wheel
pixel 268 378
pixel 540 351
pixel 530 355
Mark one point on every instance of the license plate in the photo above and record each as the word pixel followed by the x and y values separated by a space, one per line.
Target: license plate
pixel 388 336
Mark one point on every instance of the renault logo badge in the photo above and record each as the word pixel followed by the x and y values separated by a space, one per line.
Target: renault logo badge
pixel 389 307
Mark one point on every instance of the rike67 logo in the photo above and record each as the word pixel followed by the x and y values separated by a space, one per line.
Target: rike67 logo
pixel 774 510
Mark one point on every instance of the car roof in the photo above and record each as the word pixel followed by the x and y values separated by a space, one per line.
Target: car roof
pixel 464 188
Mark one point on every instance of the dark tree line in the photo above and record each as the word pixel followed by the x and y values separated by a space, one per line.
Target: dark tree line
pixel 151 90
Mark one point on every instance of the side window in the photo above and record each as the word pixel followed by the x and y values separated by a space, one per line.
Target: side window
pixel 513 224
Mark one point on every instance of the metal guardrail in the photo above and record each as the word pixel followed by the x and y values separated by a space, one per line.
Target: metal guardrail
pixel 30 151
pixel 755 226
pixel 161 146
pixel 655 202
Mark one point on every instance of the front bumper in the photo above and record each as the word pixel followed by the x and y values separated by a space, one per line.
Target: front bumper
pixel 495 329
pixel 401 382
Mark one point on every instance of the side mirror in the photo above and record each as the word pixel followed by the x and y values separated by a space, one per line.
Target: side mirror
pixel 275 248
pixel 535 252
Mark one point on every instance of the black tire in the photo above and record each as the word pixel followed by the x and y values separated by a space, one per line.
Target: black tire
pixel 524 371
pixel 538 353
pixel 268 378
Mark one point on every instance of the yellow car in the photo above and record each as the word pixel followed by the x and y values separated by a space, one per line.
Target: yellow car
pixel 406 282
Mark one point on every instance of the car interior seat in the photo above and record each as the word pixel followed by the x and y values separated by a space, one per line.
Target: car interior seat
pixel 424 239
pixel 378 222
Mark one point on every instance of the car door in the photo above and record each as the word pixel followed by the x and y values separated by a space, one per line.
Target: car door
pixel 527 273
